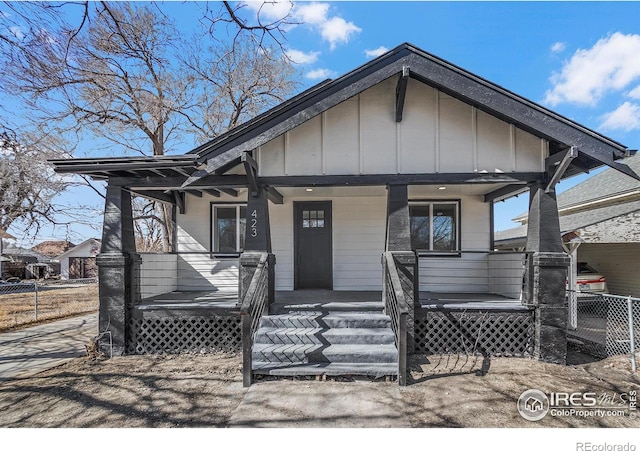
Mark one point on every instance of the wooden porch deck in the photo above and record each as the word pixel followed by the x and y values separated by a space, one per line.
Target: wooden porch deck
pixel 326 299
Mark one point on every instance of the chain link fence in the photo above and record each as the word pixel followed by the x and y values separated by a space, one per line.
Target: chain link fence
pixel 30 302
pixel 604 325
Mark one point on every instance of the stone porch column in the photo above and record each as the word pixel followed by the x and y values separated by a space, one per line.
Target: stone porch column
pixel 398 241
pixel 118 271
pixel 545 277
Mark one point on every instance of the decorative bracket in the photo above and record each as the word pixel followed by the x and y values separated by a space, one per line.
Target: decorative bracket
pixel 401 91
pixel 558 163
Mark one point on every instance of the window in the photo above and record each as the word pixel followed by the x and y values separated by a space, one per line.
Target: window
pixel 229 228
pixel 312 219
pixel 434 226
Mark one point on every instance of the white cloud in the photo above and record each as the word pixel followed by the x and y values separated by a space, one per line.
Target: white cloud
pixel 634 93
pixel 610 65
pixel 333 29
pixel 312 13
pixel 337 30
pixel 320 74
pixel 273 10
pixel 376 52
pixel 626 117
pixel 558 47
pixel 300 57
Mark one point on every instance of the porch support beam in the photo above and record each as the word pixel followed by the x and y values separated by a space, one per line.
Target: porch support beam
pixel 257 241
pixel 401 92
pixel 274 195
pixel 230 191
pixel 403 179
pixel 505 192
pixel 398 241
pixel 118 271
pixel 180 201
pixel 156 195
pixel 258 230
pixel 398 226
pixel 251 168
pixel 165 183
pixel 557 165
pixel 545 276
pixel 212 192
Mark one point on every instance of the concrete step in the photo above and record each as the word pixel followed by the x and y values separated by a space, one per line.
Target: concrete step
pixel 326 320
pixel 329 306
pixel 378 335
pixel 375 370
pixel 318 353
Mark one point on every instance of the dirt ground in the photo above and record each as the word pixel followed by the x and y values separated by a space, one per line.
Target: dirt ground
pixel 205 390
pixel 18 309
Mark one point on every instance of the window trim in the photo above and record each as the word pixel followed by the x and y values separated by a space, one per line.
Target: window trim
pixel 458 227
pixel 213 229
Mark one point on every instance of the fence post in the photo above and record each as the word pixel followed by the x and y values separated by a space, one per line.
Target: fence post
pixel 35 289
pixel 632 346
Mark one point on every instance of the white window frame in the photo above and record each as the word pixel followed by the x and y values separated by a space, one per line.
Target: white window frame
pixel 430 204
pixel 214 228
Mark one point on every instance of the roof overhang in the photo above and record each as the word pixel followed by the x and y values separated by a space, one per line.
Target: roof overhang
pixel 226 151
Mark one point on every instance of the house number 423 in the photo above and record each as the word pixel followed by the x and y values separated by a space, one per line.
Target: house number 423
pixel 254 223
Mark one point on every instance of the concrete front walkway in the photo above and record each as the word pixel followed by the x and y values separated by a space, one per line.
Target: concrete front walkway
pixel 28 351
pixel 286 403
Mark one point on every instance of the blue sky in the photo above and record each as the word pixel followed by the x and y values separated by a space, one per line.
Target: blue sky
pixel 581 59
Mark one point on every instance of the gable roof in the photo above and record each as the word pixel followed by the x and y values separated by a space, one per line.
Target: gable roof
pixel 225 151
pixel 80 246
pixel 433 71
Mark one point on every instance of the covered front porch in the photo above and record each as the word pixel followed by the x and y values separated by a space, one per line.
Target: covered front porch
pixel 316 299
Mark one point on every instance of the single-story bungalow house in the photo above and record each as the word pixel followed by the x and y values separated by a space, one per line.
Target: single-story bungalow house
pixel 27 263
pixel 351 226
pixel 600 225
pixel 79 262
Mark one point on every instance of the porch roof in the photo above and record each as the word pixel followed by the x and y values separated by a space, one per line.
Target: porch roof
pixel 224 152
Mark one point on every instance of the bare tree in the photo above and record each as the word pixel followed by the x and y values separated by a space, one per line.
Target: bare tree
pixel 116 75
pixel 27 184
pixel 237 81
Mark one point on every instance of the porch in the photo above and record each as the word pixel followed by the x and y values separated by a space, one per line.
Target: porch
pixel 452 322
pixel 327 299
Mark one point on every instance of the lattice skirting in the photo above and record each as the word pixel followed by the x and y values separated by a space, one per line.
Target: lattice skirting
pixel 173 335
pixel 479 333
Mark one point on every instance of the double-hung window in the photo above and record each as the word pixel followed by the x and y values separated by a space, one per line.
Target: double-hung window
pixel 228 228
pixel 435 226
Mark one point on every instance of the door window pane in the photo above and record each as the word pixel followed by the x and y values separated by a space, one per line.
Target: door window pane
pixel 312 219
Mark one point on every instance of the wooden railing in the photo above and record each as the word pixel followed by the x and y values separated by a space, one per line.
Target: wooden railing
pixel 395 305
pixel 254 304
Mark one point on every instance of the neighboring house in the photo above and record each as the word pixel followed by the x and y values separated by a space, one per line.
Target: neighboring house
pixel 400 158
pixel 79 262
pixel 53 248
pixel 27 263
pixel 600 225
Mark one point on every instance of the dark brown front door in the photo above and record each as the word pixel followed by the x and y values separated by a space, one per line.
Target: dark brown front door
pixel 313 248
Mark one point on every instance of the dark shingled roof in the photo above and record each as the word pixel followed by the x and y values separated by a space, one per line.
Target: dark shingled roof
pixel 609 182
